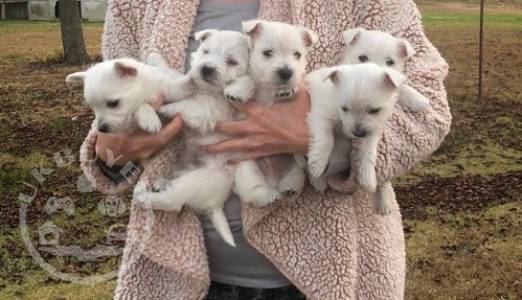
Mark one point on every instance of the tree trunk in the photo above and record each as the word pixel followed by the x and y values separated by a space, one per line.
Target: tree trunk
pixel 72 36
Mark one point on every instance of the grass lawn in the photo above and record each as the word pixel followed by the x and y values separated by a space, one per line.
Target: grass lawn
pixel 462 207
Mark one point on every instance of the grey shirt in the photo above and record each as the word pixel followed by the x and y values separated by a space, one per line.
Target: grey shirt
pixel 243 265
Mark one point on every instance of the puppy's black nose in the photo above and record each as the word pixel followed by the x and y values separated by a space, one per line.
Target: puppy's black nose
pixel 103 128
pixel 285 74
pixel 360 133
pixel 207 71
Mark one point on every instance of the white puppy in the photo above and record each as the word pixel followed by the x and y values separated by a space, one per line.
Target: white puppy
pixel 277 64
pixel 205 182
pixel 355 101
pixel 363 46
pixel 120 93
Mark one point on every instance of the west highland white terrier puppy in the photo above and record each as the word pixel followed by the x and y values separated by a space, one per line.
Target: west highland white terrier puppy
pixel 364 46
pixel 277 64
pixel 355 101
pixel 120 93
pixel 219 70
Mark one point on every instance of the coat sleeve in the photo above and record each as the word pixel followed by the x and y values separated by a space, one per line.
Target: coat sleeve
pixel 118 40
pixel 409 137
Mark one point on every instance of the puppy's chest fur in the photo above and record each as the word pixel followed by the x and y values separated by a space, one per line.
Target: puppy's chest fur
pixel 202 111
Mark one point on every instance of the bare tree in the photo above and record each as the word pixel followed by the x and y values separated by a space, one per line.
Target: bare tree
pixel 72 35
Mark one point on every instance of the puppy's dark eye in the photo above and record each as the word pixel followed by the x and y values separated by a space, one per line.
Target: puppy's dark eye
pixel 363 58
pixel 205 51
pixel 113 103
pixel 390 62
pixel 268 53
pixel 232 62
pixel 345 108
pixel 297 55
pixel 374 111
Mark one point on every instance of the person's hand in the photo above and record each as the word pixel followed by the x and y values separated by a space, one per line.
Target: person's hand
pixel 120 148
pixel 281 128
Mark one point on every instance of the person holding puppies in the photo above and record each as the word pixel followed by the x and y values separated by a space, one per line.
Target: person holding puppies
pixel 314 245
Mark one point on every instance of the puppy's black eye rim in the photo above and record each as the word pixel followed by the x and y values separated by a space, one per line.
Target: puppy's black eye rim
pixel 344 108
pixel 363 58
pixel 113 103
pixel 231 62
pixel 374 111
pixel 297 55
pixel 205 51
pixel 268 53
pixel 390 62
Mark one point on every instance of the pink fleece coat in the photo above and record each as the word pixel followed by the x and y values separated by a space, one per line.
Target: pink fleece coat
pixel 331 245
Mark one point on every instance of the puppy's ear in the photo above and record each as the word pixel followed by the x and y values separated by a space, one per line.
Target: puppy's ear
pixel 406 50
pixel 202 35
pixel 334 77
pixel 252 28
pixel 74 81
pixel 393 79
pixel 124 70
pixel 351 36
pixel 309 37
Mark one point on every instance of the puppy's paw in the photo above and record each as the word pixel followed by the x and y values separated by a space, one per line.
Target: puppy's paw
pixel 350 185
pixel 147 199
pixel 263 195
pixel 368 180
pixel 291 186
pixel 234 93
pixel 382 206
pixel 147 119
pixel 285 93
pixel 141 196
pixel 318 183
pixel 413 100
pixel 152 124
pixel 160 185
pixel 168 110
pixel 317 166
pixel 421 104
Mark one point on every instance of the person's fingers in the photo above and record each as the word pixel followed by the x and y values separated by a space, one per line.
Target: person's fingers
pixel 233 145
pixel 250 108
pixel 172 128
pixel 255 155
pixel 235 127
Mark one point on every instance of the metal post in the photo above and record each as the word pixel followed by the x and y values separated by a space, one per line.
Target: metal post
pixel 481 48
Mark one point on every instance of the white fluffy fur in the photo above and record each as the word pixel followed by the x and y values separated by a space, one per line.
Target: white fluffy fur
pixel 382 48
pixel 119 92
pixel 349 100
pixel 275 48
pixel 205 181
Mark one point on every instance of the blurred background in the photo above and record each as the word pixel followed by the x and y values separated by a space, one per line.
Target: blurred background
pixel 462 208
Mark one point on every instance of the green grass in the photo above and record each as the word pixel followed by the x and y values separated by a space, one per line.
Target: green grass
pixel 62 291
pixel 461 254
pixel 464 19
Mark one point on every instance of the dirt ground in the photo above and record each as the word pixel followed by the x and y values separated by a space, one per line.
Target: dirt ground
pixel 462 207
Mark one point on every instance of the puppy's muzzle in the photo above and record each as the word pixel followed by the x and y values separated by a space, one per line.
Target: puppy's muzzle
pixel 208 73
pixel 104 128
pixel 359 132
pixel 285 74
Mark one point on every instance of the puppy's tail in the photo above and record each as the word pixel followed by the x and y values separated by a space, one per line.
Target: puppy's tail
pixel 218 219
